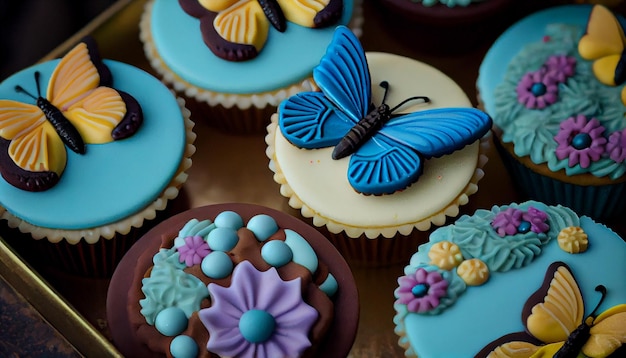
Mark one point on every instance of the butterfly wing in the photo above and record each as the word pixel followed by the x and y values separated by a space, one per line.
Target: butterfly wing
pixel 604 42
pixel 309 120
pixel 343 75
pixel 393 159
pixel 608 333
pixel 312 13
pixel 314 119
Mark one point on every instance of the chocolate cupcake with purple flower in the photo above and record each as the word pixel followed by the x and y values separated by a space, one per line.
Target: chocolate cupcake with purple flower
pixel 558 108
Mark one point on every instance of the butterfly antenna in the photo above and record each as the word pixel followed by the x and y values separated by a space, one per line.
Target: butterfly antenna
pixel 37 76
pixel 602 290
pixel 423 98
pixel 20 89
pixel 385 85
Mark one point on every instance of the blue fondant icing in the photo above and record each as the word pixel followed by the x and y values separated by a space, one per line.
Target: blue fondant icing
pixel 229 219
pixel 223 239
pixel 113 180
pixel 303 253
pixel 217 265
pixel 263 226
pixel 286 59
pixel 183 347
pixel 329 286
pixel 496 306
pixel 393 157
pixel 276 253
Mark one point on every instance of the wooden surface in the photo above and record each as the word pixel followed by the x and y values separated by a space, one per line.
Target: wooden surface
pixel 235 168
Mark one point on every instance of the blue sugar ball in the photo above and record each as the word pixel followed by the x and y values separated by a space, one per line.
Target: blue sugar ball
pixel 222 239
pixel 263 226
pixel 217 265
pixel 257 326
pixel 276 253
pixel 171 321
pixel 229 219
pixel 183 347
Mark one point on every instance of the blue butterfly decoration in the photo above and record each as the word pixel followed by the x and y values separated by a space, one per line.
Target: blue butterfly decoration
pixel 387 151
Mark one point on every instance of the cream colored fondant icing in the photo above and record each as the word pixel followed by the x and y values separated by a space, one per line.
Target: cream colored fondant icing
pixel 318 186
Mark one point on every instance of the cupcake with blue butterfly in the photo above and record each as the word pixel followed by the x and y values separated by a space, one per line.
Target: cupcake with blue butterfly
pixel 90 151
pixel 236 60
pixel 556 92
pixel 388 148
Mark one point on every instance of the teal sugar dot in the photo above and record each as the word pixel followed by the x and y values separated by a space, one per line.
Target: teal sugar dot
pixel 257 326
pixel 223 239
pixel 183 347
pixel 581 141
pixel 419 290
pixel 276 253
pixel 171 321
pixel 538 89
pixel 263 226
pixel 523 227
pixel 229 219
pixel 217 265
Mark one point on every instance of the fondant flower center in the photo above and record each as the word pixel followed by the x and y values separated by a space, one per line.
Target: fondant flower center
pixel 538 89
pixel 581 141
pixel 420 290
pixel 257 326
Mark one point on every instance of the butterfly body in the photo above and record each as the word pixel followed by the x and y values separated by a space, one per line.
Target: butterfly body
pixel 67 132
pixel 387 152
pixel 274 14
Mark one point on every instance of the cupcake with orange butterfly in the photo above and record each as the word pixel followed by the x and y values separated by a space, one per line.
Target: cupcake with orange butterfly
pixel 556 92
pixel 520 280
pixel 84 161
pixel 235 61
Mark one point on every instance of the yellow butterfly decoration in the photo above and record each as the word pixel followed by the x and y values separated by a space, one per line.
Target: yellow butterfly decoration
pixel 236 30
pixel 605 43
pixel 556 326
pixel 78 109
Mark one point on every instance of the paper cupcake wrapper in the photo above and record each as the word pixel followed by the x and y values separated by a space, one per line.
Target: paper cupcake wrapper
pixel 381 237
pixel 122 232
pixel 600 202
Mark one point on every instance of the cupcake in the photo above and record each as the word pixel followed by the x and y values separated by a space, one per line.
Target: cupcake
pixel 234 77
pixel 234 280
pixel 90 162
pixel 553 87
pixel 375 194
pixel 518 280
pixel 445 26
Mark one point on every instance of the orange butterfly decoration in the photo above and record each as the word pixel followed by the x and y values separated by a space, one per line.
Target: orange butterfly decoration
pixel 236 30
pixel 605 43
pixel 78 109
pixel 556 326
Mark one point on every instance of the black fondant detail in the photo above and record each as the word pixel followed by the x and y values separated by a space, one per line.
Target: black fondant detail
pixel 66 130
pixel 23 179
pixel 274 14
pixel 330 14
pixel 132 119
pixel 620 70
pixel 219 46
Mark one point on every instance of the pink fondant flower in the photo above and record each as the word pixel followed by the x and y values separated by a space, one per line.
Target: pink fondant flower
pixel 537 220
pixel 537 90
pixel 258 315
pixel 506 222
pixel 616 146
pixel 561 66
pixel 421 291
pixel 580 140
pixel 193 251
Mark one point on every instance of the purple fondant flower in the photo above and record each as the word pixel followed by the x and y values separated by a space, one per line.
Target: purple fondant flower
pixel 258 315
pixel 537 90
pixel 616 146
pixel 506 222
pixel 561 67
pixel 193 251
pixel 421 291
pixel 580 140
pixel 537 220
